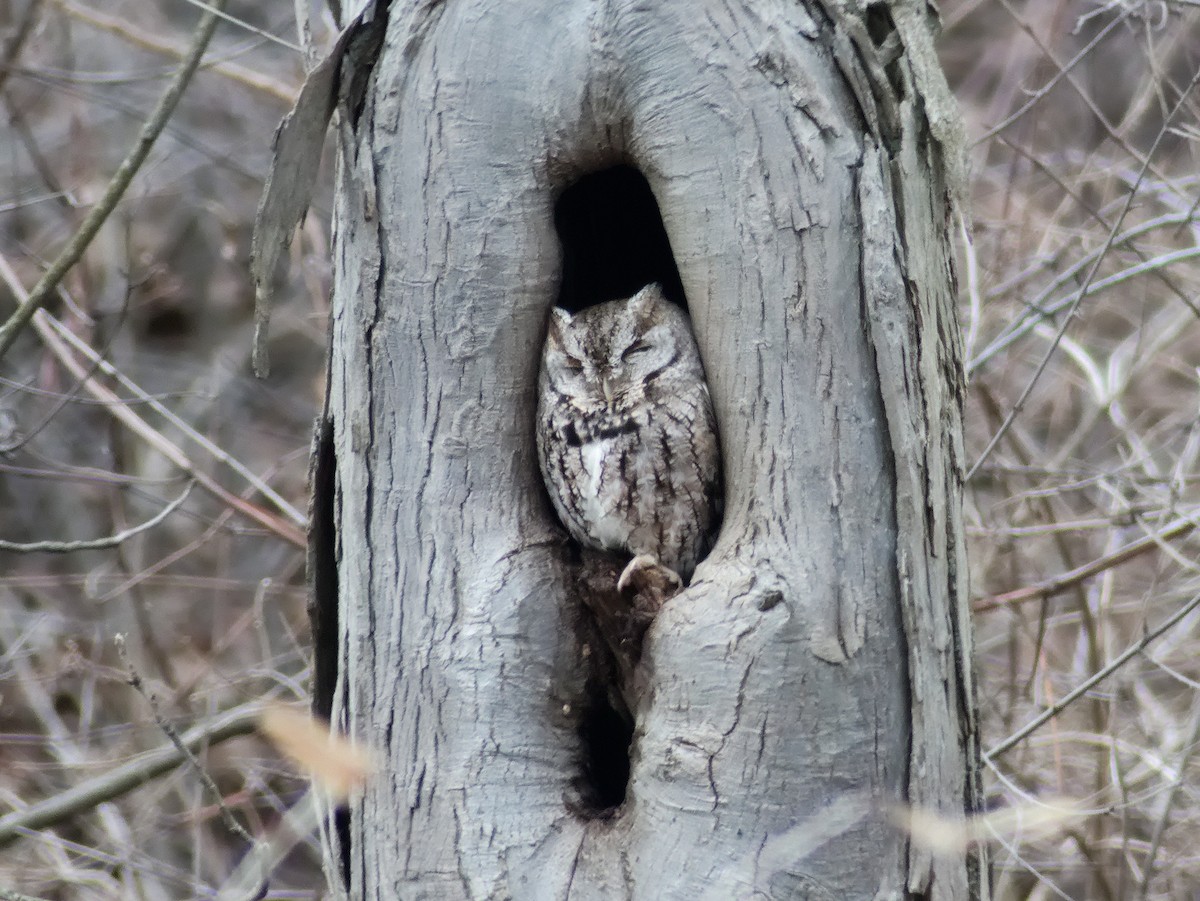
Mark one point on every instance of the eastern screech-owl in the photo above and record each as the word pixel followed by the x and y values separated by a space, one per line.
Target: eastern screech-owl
pixel 626 436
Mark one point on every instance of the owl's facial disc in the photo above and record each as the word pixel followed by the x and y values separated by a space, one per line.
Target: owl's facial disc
pixel 605 358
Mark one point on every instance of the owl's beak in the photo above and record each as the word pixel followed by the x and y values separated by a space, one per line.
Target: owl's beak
pixel 607 389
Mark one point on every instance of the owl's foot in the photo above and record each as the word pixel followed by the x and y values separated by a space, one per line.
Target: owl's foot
pixel 645 576
pixel 651 583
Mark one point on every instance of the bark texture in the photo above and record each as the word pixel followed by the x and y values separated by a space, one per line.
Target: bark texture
pixel 816 672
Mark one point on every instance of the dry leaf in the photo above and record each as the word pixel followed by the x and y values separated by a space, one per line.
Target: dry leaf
pixel 1020 823
pixel 332 761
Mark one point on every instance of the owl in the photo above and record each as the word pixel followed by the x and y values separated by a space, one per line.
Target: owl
pixel 626 436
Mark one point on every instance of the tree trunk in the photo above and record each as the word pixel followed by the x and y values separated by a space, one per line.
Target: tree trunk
pixel 815 675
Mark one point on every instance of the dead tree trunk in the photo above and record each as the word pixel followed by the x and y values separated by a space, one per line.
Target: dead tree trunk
pixel 785 168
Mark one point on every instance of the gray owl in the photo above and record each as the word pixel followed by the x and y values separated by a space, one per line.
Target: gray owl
pixel 626 436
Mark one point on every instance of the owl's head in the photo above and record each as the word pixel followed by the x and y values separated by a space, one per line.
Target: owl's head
pixel 612 355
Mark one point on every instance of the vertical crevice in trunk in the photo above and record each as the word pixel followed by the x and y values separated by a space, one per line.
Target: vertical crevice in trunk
pixel 323 600
pixel 322 567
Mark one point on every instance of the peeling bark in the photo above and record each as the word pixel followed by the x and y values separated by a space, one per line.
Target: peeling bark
pixel 816 672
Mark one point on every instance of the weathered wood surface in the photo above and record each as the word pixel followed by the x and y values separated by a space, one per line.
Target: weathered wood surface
pixel 816 671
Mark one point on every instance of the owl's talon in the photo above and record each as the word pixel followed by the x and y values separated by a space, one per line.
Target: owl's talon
pixel 644 574
pixel 633 569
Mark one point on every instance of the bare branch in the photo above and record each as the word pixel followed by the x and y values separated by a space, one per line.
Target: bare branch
pixel 96 544
pixel 120 181
pixel 1084 687
pixel 125 778
pixel 46 327
pixel 120 25
pixel 1087 284
pixel 1070 579
pixel 185 753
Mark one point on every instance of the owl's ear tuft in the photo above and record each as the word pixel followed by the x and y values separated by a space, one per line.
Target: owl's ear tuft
pixel 645 300
pixel 560 321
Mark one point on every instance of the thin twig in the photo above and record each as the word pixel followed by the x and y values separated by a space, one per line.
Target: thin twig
pixel 1089 683
pixel 123 28
pixel 47 328
pixel 244 25
pixel 1073 577
pixel 1098 215
pixel 135 680
pixel 1063 72
pixel 248 880
pixel 42 322
pixel 1040 313
pixel 161 409
pixel 60 743
pixel 96 544
pixel 1160 828
pixel 137 772
pixel 1038 308
pixel 1087 99
pixel 120 181
pixel 1087 283
pixel 13 50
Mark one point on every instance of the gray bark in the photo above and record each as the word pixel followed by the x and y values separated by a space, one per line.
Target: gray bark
pixel 816 673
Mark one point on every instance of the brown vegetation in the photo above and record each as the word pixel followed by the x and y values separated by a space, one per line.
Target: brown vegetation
pixel 1080 316
pixel 1079 311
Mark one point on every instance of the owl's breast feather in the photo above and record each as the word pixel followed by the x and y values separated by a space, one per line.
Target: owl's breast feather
pixel 601 497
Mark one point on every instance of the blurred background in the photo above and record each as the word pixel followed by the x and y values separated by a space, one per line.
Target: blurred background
pixel 1080 312
pixel 211 602
pixel 1079 270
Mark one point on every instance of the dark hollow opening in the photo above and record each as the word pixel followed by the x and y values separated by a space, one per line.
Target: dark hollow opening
pixel 613 244
pixel 322 607
pixel 605 735
pixel 613 240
